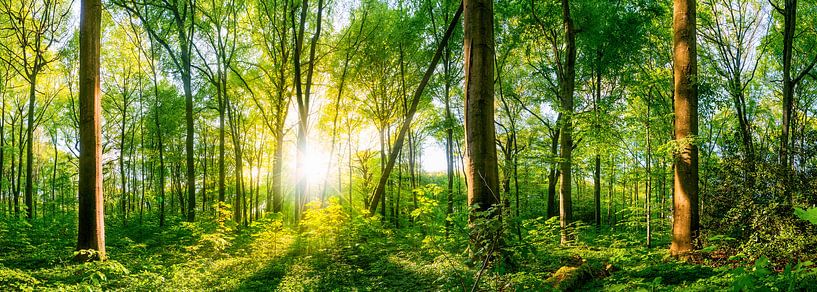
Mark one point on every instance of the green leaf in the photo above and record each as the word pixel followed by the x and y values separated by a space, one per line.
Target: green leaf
pixel 809 215
pixel 762 262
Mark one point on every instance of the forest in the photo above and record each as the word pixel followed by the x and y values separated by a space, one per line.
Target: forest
pixel 408 145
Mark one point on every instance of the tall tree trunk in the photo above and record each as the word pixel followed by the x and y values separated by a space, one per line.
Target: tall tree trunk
pixel 482 170
pixel 161 147
pixel 91 222
pixel 122 176
pixel 449 145
pixel 648 185
pixel 141 152
pixel 597 171
pixel 303 100
pixel 185 43
pixel 221 142
pixel 282 110
pixel 685 200
pixel 204 160
pixel 29 190
pixel 17 187
pixel 567 85
pixel 351 168
pixel 53 174
pixel 238 207
pixel 790 82
pixel 789 26
pixel 3 137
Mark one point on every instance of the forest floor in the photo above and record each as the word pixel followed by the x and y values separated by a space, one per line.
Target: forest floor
pixel 341 254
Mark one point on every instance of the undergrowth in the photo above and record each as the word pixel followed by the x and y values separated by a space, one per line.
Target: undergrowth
pixel 332 251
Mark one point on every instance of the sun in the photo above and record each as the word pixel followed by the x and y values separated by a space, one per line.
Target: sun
pixel 316 162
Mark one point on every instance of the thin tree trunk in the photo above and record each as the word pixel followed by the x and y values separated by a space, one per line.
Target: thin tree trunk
pixel 204 171
pixel 553 174
pixel 123 178
pixel 597 170
pixel 221 142
pixel 29 190
pixel 303 99
pixel 398 143
pixel 238 207
pixel 157 109
pixel 3 137
pixel 610 212
pixel 53 174
pixel 20 145
pixel 648 185
pixel 449 145
pixel 188 106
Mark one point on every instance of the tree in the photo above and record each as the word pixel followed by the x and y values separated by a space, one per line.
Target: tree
pixel 561 56
pixel 380 189
pixel 273 37
pixel 481 167
pixel 790 82
pixel 685 225
pixel 119 84
pixel 567 83
pixel 450 124
pixel 35 26
pixel 180 30
pixel 91 225
pixel 302 96
pixel 730 33
pixel 3 93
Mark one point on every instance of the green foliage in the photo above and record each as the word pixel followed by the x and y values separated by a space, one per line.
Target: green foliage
pixel 17 280
pixel 322 225
pixel 809 215
pixel 427 205
pixel 543 230
pixel 213 237
pixel 756 216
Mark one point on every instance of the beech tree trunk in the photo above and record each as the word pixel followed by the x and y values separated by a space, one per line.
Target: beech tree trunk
pixel 685 212
pixel 91 224
pixel 481 168
pixel 567 85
